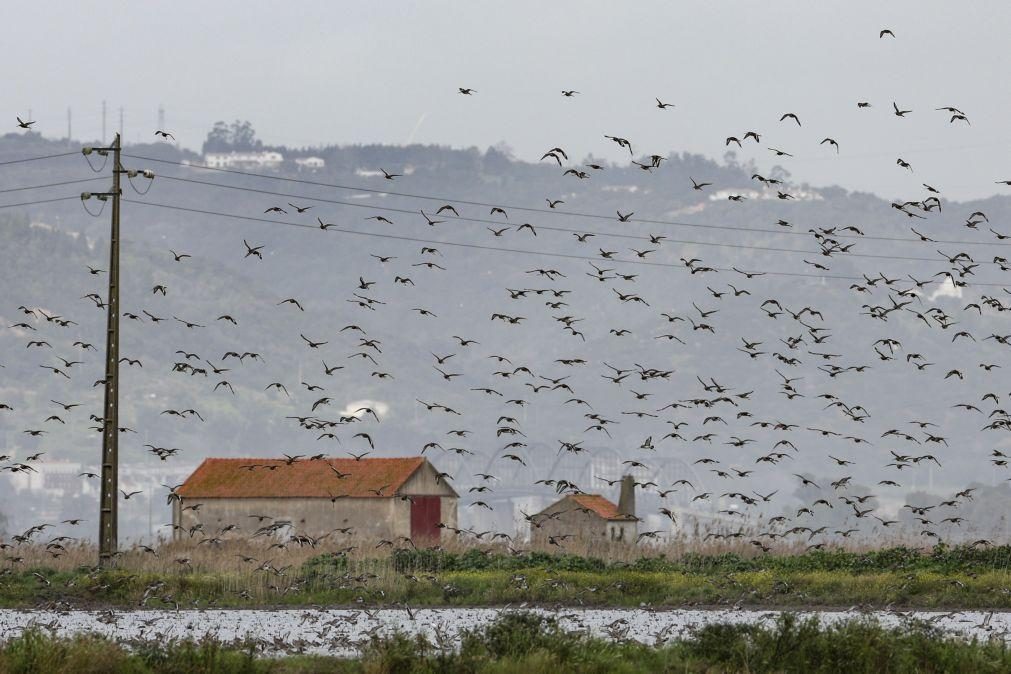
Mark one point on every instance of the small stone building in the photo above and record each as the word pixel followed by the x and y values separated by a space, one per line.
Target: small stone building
pixel 589 517
pixel 377 498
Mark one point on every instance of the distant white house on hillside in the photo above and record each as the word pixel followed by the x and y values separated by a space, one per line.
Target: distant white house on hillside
pixel 244 160
pixel 310 163
pixel 796 194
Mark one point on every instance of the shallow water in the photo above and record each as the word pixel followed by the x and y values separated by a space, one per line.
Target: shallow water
pixel 338 631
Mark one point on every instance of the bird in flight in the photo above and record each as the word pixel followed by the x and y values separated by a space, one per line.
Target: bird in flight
pixel 312 344
pixel 252 250
pixel 622 142
pixel 430 221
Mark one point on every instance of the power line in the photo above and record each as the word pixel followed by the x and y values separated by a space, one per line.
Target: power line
pixel 466 219
pixel 39 187
pixel 40 201
pixel 27 159
pixel 390 209
pixel 461 218
pixel 545 211
pixel 520 251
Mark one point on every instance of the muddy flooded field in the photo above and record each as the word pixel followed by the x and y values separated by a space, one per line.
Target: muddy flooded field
pixel 339 631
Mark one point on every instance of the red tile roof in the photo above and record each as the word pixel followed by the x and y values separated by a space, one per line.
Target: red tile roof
pixel 226 478
pixel 599 505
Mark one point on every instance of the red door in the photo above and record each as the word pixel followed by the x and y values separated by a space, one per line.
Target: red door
pixel 426 513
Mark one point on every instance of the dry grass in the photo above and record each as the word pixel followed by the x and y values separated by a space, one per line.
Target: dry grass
pixel 189 555
pixel 349 570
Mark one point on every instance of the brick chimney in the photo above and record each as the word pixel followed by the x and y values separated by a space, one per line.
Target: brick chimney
pixel 626 500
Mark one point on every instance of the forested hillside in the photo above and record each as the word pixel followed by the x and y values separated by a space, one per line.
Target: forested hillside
pixel 848 258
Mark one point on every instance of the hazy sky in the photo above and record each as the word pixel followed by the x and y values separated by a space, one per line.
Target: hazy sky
pixel 308 73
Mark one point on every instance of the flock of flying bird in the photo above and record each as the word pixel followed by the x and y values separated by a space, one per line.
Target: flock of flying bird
pixel 807 363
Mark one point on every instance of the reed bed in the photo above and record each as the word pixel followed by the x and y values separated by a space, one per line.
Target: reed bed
pixel 244 572
pixel 167 555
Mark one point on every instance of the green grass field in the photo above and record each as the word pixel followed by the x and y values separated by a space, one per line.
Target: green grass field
pixel 959 577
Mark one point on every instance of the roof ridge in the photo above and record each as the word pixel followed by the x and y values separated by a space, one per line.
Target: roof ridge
pixel 303 459
pixel 233 477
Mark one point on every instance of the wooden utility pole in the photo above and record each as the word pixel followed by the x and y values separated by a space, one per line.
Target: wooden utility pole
pixel 108 520
pixel 109 499
pixel 108 534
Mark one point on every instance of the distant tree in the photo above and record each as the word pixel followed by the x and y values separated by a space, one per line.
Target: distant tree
pixel 244 137
pixel 496 161
pixel 504 149
pixel 219 139
pixel 3 526
pixel 779 173
pixel 237 136
pixel 833 192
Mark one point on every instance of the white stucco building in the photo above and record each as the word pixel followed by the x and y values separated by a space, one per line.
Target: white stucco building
pixel 310 163
pixel 244 160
